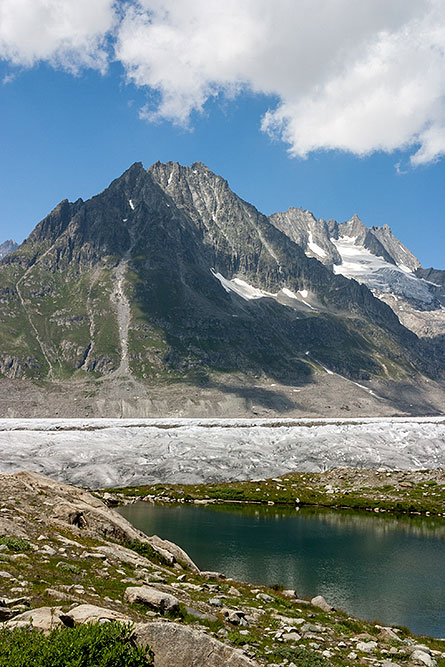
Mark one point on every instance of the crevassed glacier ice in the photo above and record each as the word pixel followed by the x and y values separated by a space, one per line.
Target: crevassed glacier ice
pixel 114 452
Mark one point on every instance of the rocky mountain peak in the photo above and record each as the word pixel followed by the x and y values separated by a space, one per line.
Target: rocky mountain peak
pixel 311 234
pixel 354 228
pixel 7 247
pixel 167 272
pixel 395 248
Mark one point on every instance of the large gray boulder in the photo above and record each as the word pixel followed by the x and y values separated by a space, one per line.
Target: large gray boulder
pixel 90 613
pixel 176 645
pixel 321 603
pixel 158 600
pixel 423 658
pixel 42 618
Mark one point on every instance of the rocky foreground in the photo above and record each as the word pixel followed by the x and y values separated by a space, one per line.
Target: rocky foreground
pixel 68 559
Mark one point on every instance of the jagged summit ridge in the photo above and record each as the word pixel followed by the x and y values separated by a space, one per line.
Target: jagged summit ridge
pixel 168 273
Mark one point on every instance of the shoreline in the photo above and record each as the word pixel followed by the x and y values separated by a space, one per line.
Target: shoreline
pixel 419 493
pixel 72 559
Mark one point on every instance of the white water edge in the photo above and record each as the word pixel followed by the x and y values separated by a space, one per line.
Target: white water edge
pixel 115 452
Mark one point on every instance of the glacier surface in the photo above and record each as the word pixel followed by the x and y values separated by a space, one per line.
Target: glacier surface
pixel 378 274
pixel 115 452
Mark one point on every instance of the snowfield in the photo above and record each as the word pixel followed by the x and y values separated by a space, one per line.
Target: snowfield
pixel 378 274
pixel 114 452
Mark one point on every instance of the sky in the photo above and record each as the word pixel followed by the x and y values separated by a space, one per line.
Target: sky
pixel 332 105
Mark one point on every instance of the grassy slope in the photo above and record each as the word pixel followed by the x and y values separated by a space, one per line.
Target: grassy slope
pixel 384 491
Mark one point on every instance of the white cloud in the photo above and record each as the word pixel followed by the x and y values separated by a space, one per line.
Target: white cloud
pixel 354 75
pixel 65 33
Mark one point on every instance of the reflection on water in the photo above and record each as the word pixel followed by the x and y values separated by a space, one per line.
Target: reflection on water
pixel 384 568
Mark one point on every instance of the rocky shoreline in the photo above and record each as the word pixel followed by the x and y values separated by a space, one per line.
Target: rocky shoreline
pixel 67 559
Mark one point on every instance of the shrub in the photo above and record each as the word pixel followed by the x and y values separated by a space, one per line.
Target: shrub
pixel 300 656
pixel 146 550
pixel 15 543
pixel 90 645
pixel 68 567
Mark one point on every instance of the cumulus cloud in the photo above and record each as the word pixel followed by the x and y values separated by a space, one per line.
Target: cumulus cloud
pixel 66 33
pixel 345 75
pixel 355 76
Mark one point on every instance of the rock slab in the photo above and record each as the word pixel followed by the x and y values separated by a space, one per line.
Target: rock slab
pixel 175 645
pixel 163 602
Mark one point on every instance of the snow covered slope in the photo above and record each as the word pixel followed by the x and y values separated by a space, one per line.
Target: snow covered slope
pixel 379 275
pixel 394 277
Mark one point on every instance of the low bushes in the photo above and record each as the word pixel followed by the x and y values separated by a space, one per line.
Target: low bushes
pixel 91 645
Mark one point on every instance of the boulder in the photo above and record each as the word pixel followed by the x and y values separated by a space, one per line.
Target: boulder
pixel 420 647
pixel 236 616
pixel 61 596
pixel 162 602
pixel 388 633
pixel 176 645
pixel 321 603
pixel 200 615
pixel 423 658
pixel 289 593
pixel 41 618
pixel 366 647
pixel 6 614
pixel 12 602
pixel 89 613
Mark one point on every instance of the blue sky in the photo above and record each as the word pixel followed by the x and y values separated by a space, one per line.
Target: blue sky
pixel 70 124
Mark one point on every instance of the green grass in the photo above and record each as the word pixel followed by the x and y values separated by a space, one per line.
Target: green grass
pixel 304 489
pixel 91 645
pixel 300 656
pixel 146 550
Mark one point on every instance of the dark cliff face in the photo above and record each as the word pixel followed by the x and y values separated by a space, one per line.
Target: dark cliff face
pixel 152 242
pixel 436 276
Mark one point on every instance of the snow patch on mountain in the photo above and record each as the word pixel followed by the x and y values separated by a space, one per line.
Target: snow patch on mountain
pixel 240 287
pixel 248 292
pixel 289 293
pixel 314 247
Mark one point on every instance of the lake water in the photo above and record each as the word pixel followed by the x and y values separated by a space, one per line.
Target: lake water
pixel 380 568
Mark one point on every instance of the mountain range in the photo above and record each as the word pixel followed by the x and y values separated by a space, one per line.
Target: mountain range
pixel 168 282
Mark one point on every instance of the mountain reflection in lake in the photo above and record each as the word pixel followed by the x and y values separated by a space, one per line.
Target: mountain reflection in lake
pixel 384 568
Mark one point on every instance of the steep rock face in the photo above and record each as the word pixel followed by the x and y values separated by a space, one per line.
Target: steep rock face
pixel 436 276
pixel 313 235
pixel 7 247
pixel 167 274
pixel 395 249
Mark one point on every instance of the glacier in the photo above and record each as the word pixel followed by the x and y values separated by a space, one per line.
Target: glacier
pixel 97 453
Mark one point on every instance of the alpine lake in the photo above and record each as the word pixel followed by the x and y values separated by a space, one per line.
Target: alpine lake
pixel 389 569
